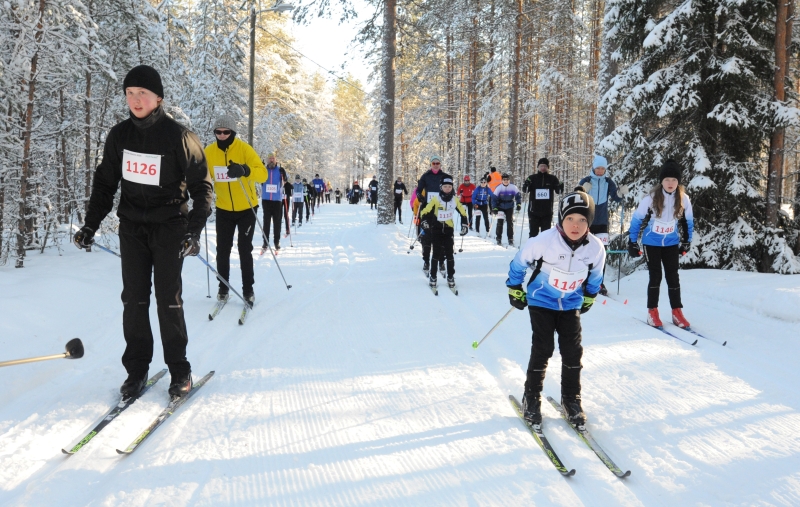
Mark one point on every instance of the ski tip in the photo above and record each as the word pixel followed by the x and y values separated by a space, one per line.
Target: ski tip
pixel 124 453
pixel 626 474
pixel 569 474
pixel 724 343
pixel 68 453
pixel 210 317
pixel 694 343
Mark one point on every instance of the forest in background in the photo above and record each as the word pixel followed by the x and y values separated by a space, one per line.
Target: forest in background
pixel 712 83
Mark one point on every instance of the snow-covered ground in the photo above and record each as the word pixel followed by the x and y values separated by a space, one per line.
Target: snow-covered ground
pixel 359 387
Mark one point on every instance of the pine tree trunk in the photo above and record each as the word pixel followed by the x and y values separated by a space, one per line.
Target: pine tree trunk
pixel 23 229
pixel 472 112
pixel 513 121
pixel 386 135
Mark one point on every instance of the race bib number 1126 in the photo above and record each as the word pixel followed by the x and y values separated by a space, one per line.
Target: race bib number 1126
pixel 144 168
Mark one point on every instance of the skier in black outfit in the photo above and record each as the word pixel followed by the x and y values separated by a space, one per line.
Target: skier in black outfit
pixel 338 194
pixel 161 164
pixel 429 185
pixel 355 193
pixel 311 196
pixel 542 187
pixel 373 192
pixel 399 188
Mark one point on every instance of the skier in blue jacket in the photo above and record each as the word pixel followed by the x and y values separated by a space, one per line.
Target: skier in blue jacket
pixel 503 200
pixel 481 198
pixel 567 263
pixel 666 221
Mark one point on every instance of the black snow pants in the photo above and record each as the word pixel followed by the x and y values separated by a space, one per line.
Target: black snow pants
pixel 297 209
pixel 443 250
pixel 508 215
pixel 668 256
pixel 484 209
pixel 273 216
pixel 229 222
pixel 151 250
pixel 373 200
pixel 468 205
pixel 545 323
pixel 398 206
pixel 539 223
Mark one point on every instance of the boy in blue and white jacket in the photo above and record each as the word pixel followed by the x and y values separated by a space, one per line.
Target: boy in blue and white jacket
pixel 666 219
pixel 567 263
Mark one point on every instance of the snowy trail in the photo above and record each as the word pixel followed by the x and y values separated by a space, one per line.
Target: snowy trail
pixel 359 387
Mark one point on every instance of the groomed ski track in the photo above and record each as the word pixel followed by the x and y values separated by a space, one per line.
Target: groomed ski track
pixel 359 387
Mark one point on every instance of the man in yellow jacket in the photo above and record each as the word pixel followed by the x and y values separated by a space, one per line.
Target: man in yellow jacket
pixel 234 164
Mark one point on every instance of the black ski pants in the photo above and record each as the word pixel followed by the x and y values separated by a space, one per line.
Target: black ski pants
pixel 273 215
pixel 426 240
pixel 484 208
pixel 297 209
pixel 373 200
pixel 545 323
pixel 309 208
pixel 656 256
pixel 229 222
pixel 338 199
pixel 468 205
pixel 507 216
pixel 443 250
pixel 539 223
pixel 151 250
pixel 398 206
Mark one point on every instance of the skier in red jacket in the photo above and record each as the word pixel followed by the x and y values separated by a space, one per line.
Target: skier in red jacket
pixel 465 196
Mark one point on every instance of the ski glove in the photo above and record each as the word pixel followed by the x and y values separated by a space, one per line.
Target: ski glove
pixel 519 206
pixel 425 225
pixel 494 211
pixel 190 245
pixel 587 187
pixel 633 249
pixel 623 190
pixel 588 301
pixel 684 248
pixel 517 297
pixel 238 170
pixel 84 238
pixel 464 230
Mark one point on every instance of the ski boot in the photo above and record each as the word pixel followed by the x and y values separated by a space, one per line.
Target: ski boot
pixel 603 290
pixel 653 319
pixel 133 385
pixel 250 297
pixel 678 319
pixel 499 242
pixel 426 267
pixel 277 245
pixel 181 385
pixel 223 296
pixel 451 282
pixel 510 241
pixel 532 408
pixel 573 409
pixel 432 282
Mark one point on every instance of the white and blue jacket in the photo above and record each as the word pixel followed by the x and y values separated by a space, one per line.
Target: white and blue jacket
pixel 603 188
pixel 481 195
pixel 664 229
pixel 549 255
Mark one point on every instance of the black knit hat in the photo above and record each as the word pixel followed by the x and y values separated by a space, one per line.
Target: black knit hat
pixel 146 77
pixel 543 161
pixel 670 169
pixel 577 201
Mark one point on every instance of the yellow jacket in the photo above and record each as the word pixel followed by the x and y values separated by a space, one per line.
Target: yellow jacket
pixel 436 213
pixel 229 193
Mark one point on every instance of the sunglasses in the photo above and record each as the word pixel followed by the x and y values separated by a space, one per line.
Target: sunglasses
pixel 221 132
pixel 436 163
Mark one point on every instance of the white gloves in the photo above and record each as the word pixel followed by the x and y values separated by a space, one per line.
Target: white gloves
pixel 623 190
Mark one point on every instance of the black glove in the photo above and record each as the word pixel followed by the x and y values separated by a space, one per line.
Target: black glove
pixel 519 206
pixel 238 170
pixel 517 297
pixel 684 248
pixel 494 211
pixel 190 245
pixel 464 230
pixel 425 225
pixel 588 301
pixel 84 238
pixel 633 249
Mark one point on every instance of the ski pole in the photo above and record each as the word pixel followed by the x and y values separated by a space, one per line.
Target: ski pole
pixel 622 232
pixel 475 345
pixel 415 242
pixel 461 248
pixel 101 247
pixel 522 227
pixel 208 273
pixel 219 277
pixel 258 221
pixel 74 350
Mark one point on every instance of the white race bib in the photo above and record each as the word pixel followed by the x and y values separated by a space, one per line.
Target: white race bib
pixel 603 236
pixel 565 281
pixel 445 215
pixel 660 227
pixel 221 174
pixel 297 197
pixel 141 168
pixel 477 213
pixel 398 191
pixel 430 196
pixel 271 189
pixel 542 193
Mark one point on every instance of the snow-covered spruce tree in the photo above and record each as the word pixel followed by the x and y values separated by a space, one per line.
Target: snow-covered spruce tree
pixel 695 85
